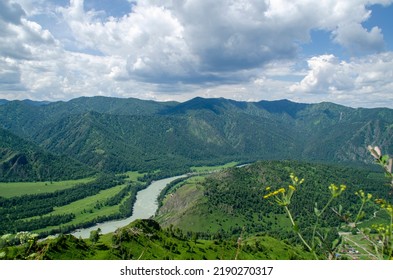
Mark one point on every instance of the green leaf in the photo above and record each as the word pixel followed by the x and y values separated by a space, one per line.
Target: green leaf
pixel 317 212
pixel 385 159
pixel 319 241
pixel 335 243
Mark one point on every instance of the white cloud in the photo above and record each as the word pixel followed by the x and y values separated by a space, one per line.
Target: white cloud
pixel 243 49
pixel 186 40
pixel 150 39
pixel 326 73
pixel 22 38
pixel 363 81
pixel 357 39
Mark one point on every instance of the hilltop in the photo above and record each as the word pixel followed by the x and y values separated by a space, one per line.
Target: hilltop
pixel 146 240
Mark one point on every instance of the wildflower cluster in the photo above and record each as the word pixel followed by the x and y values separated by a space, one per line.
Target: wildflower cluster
pixel 295 180
pixel 283 196
pixel 384 246
pixel 385 231
pixel 282 190
pixel 385 205
pixel 384 240
pixel 382 229
pixel 336 191
pixel 363 197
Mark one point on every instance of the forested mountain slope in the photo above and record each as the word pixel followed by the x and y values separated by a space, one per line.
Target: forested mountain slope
pixel 113 134
pixel 21 160
pixel 231 201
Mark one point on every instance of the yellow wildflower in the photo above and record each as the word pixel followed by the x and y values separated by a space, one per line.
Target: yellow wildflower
pixel 281 190
pixel 336 191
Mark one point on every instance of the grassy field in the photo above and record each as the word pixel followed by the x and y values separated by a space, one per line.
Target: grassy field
pixel 357 247
pixel 8 190
pixel 93 206
pixel 85 210
pixel 213 167
pixel 12 189
pixel 133 176
pixel 88 208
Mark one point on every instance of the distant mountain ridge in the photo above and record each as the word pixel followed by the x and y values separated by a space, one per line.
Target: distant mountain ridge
pixel 115 134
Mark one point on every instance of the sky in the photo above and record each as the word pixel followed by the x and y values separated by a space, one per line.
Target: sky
pixel 306 51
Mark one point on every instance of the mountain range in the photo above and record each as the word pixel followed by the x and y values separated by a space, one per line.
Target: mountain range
pixel 104 134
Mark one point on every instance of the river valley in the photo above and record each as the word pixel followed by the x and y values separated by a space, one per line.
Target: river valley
pixel 144 208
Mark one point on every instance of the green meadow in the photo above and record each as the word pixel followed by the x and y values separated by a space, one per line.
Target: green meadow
pixel 92 207
pixel 211 168
pixel 88 208
pixel 12 189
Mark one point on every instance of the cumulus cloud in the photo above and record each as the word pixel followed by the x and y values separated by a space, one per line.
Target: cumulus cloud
pixel 166 41
pixel 326 73
pixel 362 81
pixel 22 38
pixel 232 35
pixel 247 49
pixel 33 64
pixel 357 39
pixel 22 42
pixel 150 39
pixel 175 42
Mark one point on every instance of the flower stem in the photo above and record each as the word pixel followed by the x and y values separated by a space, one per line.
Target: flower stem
pixel 297 231
pixel 317 221
pixel 359 213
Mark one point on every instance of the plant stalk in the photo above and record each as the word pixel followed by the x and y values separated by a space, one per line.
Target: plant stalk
pixel 297 231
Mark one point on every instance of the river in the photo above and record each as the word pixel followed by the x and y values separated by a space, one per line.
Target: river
pixel 145 207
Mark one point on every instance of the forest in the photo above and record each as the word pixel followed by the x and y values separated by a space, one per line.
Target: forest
pixel 63 140
pixel 125 144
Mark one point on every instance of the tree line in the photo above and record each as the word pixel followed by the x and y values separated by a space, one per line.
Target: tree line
pixel 16 211
pixel 239 192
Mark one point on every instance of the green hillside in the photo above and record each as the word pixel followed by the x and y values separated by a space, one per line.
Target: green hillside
pixel 146 240
pixel 114 134
pixel 111 137
pixel 21 160
pixel 231 201
pixel 25 118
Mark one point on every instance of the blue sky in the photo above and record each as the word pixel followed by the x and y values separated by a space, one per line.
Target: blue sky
pixel 305 50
